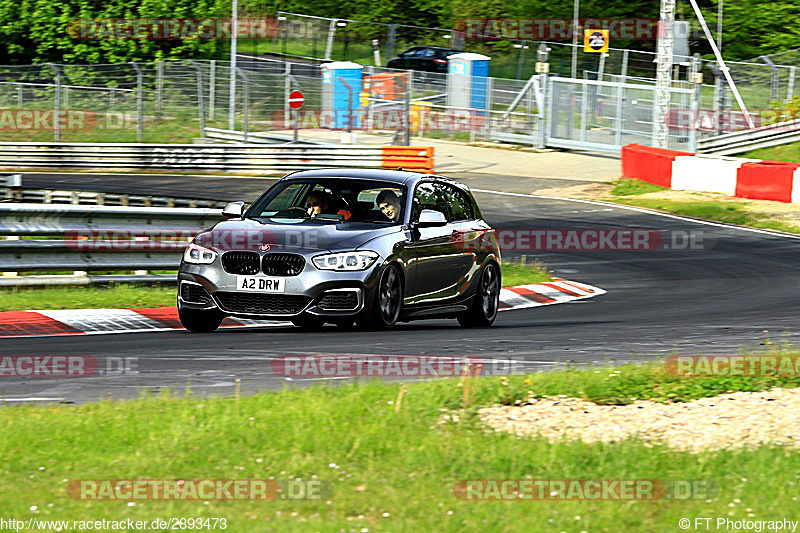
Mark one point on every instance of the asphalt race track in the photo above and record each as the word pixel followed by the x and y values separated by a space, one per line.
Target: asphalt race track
pixel 717 299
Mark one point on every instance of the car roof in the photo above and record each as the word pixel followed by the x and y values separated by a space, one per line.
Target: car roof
pixel 434 48
pixel 402 177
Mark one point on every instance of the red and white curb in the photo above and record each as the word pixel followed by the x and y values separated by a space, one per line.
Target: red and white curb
pixel 105 321
pixel 558 291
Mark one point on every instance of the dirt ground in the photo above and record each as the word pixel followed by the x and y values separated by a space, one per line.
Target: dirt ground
pixel 784 212
pixel 732 420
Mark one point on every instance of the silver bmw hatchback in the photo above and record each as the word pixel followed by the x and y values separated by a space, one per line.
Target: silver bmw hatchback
pixel 341 246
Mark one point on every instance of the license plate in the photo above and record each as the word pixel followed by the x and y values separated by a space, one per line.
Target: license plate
pixel 260 284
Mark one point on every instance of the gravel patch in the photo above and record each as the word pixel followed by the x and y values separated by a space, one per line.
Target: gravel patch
pixel 733 420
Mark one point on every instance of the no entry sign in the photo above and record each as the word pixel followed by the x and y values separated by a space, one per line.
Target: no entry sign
pixel 296 99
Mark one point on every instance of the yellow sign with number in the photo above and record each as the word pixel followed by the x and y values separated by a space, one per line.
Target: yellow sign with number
pixel 595 40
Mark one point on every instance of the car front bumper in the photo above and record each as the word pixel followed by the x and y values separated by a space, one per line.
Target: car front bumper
pixel 323 293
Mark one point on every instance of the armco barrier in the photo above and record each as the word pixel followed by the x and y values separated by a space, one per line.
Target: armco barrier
pixel 209 157
pixel 645 163
pixel 745 178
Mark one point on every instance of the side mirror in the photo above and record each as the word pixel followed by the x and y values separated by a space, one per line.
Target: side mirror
pixel 431 219
pixel 233 210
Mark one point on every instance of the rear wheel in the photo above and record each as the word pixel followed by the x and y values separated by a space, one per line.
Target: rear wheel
pixel 387 302
pixel 200 320
pixel 486 301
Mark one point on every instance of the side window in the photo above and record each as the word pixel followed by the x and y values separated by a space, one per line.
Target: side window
pixel 428 53
pixel 429 196
pixel 459 203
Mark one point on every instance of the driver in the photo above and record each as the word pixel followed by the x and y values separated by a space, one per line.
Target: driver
pixel 317 202
pixel 389 204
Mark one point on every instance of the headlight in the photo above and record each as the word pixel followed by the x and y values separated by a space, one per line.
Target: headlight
pixel 345 261
pixel 199 255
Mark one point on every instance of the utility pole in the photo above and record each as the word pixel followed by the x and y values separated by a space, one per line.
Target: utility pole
pixel 234 36
pixel 663 73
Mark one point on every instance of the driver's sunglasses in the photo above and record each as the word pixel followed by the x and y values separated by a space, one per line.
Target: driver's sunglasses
pixel 313 204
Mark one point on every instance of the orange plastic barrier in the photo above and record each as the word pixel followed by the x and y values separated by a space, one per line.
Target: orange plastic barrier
pixel 415 158
pixel 645 163
pixel 767 180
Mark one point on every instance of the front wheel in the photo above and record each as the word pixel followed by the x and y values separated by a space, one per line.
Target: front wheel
pixel 387 302
pixel 200 320
pixel 486 301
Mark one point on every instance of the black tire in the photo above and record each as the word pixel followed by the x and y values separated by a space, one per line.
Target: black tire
pixel 387 303
pixel 307 321
pixel 486 301
pixel 199 320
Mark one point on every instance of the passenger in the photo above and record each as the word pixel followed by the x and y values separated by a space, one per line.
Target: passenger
pixel 389 204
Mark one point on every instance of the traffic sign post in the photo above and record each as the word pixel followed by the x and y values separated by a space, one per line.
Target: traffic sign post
pixel 296 100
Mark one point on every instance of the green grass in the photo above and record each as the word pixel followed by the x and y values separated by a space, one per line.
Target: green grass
pixel 119 295
pixel 784 152
pixel 381 455
pixel 517 274
pixel 629 187
pixel 626 190
pixel 114 296
pixel 710 210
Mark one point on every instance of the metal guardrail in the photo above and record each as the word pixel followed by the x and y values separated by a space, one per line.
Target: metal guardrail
pixel 217 134
pixel 38 219
pixel 190 157
pixel 65 225
pixel 742 141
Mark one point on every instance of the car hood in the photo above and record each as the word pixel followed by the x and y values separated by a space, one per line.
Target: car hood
pixel 296 235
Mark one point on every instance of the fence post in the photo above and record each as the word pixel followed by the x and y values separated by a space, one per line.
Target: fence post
pixel 57 106
pixel 246 107
pixel 774 81
pixel 200 104
pixel 621 98
pixel 159 89
pixel 407 108
pixel 212 88
pixel 20 100
pixel 329 43
pixel 696 67
pixel 790 90
pixel 370 109
pixel 139 103
pixel 390 39
pixel 287 88
pixel 489 95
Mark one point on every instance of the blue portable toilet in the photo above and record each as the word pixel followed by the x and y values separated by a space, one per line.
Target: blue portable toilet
pixel 336 98
pixel 468 80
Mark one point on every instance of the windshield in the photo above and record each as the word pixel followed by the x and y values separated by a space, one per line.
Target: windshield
pixel 339 199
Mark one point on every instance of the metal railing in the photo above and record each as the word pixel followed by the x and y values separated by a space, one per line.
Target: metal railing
pixel 97 238
pixel 192 157
pixel 738 142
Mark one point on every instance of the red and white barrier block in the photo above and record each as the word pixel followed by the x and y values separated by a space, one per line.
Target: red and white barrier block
pixel 733 176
